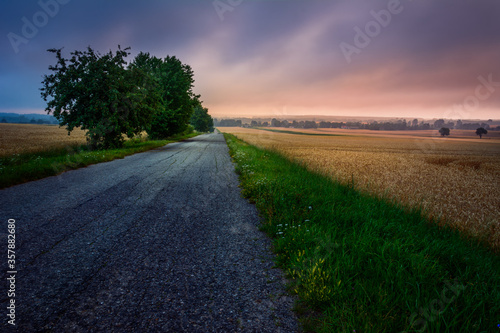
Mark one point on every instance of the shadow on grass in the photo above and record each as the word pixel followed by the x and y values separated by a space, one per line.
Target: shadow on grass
pixel 22 168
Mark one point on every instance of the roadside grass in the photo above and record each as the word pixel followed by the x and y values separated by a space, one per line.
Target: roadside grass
pixel 24 167
pixel 363 264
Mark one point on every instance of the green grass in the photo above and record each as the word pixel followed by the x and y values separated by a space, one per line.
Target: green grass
pixel 362 264
pixel 21 168
pixel 298 133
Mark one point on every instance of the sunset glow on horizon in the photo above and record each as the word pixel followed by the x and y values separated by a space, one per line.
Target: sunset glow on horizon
pixel 390 58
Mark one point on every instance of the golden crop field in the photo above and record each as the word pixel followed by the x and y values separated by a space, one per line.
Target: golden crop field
pixel 28 138
pixel 455 134
pixel 457 179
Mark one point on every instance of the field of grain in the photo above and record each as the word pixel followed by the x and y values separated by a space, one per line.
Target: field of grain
pixel 29 138
pixel 454 134
pixel 456 179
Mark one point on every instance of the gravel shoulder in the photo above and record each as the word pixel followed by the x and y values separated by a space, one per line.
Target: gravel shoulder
pixel 157 241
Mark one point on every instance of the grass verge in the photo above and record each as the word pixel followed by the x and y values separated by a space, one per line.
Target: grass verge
pixel 362 264
pixel 21 168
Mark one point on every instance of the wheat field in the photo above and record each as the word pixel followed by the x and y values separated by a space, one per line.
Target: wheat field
pixel 456 180
pixel 30 138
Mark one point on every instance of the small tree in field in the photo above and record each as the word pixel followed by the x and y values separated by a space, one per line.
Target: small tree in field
pixel 480 131
pixel 99 94
pixel 444 131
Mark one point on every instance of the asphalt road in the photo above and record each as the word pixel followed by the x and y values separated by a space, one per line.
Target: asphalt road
pixel 160 241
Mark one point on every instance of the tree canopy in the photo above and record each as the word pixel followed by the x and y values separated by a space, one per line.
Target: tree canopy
pixel 175 82
pixel 110 99
pixel 201 120
pixel 481 131
pixel 444 131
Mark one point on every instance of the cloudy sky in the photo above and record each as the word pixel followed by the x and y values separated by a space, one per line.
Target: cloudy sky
pixel 434 59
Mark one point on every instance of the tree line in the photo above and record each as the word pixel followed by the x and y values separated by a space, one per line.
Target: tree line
pixel 400 125
pixel 111 99
pixel 39 119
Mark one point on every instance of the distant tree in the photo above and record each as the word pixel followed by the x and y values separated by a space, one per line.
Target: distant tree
pixel 325 124
pixel 402 125
pixel 352 124
pixel 374 126
pixel 458 125
pixel 444 131
pixel 481 131
pixel 254 123
pixel 310 124
pixel 201 120
pixel 3 120
pixel 40 121
pixel 470 126
pixel 32 121
pixel 97 93
pixel 439 123
pixel 230 123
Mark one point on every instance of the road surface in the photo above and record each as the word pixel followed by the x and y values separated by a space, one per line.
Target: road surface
pixel 158 241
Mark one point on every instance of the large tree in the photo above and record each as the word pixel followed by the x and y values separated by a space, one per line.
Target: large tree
pixel 175 81
pixel 99 94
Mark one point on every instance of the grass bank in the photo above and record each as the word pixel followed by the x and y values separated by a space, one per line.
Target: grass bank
pixel 362 264
pixel 21 168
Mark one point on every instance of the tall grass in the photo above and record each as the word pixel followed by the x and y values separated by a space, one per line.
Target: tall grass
pixel 362 264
